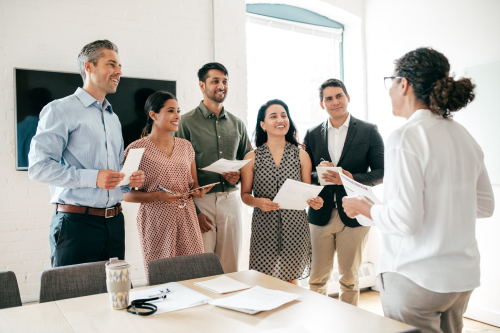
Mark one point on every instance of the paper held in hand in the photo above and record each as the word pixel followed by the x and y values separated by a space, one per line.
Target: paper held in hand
pixel 224 165
pixel 255 300
pixel 222 285
pixel 355 189
pixel 131 164
pixel 322 170
pixel 294 194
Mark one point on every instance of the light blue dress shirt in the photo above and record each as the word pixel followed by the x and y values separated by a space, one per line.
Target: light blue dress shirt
pixel 76 137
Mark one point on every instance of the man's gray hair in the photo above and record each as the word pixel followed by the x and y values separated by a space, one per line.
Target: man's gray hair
pixel 92 52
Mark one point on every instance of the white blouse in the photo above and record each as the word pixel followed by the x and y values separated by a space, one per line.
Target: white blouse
pixel 435 186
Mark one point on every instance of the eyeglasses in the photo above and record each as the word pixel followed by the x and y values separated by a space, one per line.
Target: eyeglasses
pixel 388 80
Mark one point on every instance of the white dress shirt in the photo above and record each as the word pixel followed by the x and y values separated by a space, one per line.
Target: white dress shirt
pixel 336 139
pixel 436 185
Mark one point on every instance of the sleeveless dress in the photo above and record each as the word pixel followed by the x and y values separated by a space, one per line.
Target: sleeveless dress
pixel 165 229
pixel 280 244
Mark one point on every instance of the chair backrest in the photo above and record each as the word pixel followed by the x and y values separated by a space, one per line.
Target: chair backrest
pixel 9 291
pixel 73 281
pixel 184 268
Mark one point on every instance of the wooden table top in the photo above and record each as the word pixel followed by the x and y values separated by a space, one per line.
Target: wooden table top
pixel 314 312
pixel 45 317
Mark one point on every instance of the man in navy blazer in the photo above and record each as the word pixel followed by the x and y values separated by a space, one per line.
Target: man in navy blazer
pixel 357 147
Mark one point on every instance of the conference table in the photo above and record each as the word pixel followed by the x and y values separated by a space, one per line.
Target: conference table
pixel 311 312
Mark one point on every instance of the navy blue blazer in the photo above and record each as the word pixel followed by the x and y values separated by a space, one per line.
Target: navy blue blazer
pixel 362 155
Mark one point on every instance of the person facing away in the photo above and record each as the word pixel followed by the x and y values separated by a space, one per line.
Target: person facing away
pixel 78 151
pixel 356 146
pixel 215 133
pixel 280 244
pixel 167 223
pixel 436 186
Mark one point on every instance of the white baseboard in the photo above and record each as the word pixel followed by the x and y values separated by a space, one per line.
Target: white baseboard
pixel 482 315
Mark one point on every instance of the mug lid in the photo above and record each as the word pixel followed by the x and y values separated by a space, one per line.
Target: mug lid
pixel 118 264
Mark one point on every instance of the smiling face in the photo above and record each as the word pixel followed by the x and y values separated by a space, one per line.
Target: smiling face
pixel 276 122
pixel 105 75
pixel 335 102
pixel 168 118
pixel 215 86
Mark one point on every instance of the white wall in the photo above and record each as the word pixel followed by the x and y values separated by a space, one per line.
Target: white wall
pixel 467 33
pixel 166 39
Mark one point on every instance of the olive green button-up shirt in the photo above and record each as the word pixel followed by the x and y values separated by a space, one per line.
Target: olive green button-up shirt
pixel 212 139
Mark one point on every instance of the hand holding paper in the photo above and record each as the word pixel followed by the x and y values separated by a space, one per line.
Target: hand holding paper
pixel 358 193
pixel 224 166
pixel 131 165
pixel 294 194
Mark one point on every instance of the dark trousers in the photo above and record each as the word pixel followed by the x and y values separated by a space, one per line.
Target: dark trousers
pixel 81 238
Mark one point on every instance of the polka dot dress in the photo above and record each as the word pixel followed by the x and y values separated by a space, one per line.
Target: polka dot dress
pixel 165 229
pixel 280 245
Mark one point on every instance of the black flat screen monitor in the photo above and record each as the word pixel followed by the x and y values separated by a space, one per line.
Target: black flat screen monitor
pixel 34 89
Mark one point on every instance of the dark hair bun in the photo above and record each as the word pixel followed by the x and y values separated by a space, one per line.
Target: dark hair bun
pixel 450 95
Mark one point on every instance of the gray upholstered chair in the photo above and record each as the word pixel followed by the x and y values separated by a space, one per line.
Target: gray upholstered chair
pixel 73 281
pixel 9 291
pixel 184 268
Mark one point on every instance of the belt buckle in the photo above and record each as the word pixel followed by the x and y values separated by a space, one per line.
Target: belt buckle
pixel 106 212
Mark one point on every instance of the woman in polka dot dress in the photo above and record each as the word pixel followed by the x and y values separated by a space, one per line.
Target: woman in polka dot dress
pixel 167 224
pixel 280 245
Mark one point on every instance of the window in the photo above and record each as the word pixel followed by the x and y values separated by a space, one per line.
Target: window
pixel 288 58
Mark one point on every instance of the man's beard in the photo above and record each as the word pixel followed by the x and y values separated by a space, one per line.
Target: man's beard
pixel 215 99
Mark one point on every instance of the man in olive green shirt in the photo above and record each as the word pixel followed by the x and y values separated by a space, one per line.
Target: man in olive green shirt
pixel 215 133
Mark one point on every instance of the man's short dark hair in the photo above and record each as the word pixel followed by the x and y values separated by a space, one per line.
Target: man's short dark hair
pixel 203 72
pixel 331 83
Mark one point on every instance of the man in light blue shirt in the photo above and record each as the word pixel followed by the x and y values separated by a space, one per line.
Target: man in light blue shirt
pixel 78 151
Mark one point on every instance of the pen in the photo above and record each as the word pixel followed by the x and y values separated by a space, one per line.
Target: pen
pixel 165 190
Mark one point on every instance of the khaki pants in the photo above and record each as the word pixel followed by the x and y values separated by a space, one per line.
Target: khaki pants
pixel 224 209
pixel 406 301
pixel 349 244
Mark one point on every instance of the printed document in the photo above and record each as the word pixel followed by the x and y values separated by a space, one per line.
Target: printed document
pixel 222 285
pixel 355 189
pixel 224 165
pixel 255 300
pixel 294 194
pixel 131 164
pixel 323 170
pixel 180 297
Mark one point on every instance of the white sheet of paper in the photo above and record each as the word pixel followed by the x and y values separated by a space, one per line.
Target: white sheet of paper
pixel 224 165
pixel 255 300
pixel 222 285
pixel 131 164
pixel 354 189
pixel 322 170
pixel 294 194
pixel 181 297
pixel 295 329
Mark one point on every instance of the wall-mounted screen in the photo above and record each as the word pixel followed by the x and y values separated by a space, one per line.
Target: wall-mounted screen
pixel 34 89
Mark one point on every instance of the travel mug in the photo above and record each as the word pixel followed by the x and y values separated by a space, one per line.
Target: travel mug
pixel 118 282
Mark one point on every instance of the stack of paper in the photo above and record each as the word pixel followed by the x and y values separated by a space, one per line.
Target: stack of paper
pixel 255 300
pixel 180 297
pixel 222 285
pixel 224 165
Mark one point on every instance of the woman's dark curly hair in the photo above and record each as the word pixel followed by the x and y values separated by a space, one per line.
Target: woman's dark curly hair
pixel 427 70
pixel 260 137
